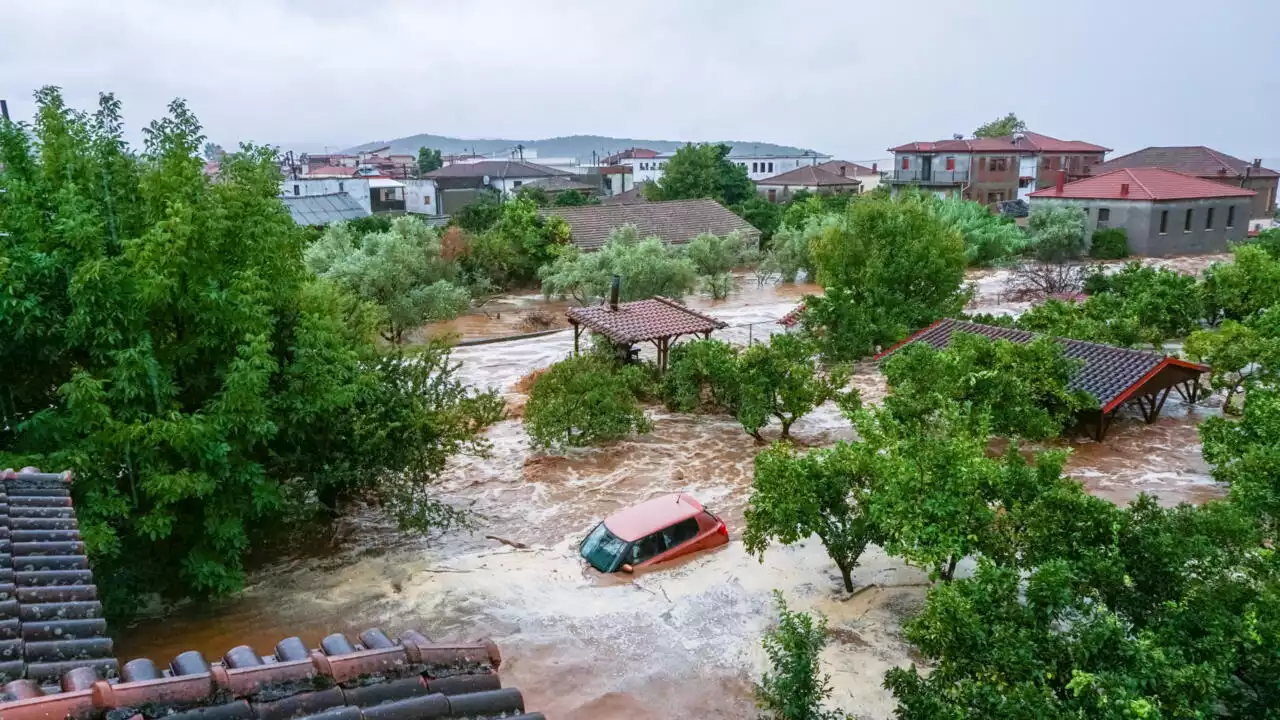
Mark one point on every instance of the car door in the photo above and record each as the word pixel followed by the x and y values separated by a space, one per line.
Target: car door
pixel 677 539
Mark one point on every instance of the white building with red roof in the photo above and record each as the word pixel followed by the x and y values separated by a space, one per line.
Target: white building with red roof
pixel 1162 211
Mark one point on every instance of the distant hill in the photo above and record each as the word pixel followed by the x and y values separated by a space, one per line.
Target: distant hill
pixel 577 146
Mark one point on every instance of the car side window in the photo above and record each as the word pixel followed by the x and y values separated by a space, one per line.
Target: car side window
pixel 680 533
pixel 647 547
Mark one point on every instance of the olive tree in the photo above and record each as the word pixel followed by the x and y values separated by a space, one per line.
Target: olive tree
pixel 585 400
pixel 783 380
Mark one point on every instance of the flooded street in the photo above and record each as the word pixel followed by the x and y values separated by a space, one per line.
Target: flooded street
pixel 680 641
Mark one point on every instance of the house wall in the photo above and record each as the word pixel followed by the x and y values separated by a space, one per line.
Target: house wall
pixel 939 175
pixel 652 168
pixel 1263 204
pixel 420 197
pixel 783 193
pixel 1028 167
pixel 357 188
pixel 988 184
pixel 1141 221
pixel 1074 163
pixel 760 167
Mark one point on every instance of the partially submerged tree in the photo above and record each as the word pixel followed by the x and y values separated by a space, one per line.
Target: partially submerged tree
pixel 702 374
pixel 1241 356
pixel 714 258
pixel 794 688
pixel 825 492
pixel 585 400
pixel 647 267
pixel 782 380
pixel 401 271
pixel 988 238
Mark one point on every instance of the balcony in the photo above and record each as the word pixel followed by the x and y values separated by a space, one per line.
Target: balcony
pixel 933 177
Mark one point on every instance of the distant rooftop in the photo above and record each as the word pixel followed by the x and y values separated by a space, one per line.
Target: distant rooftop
pixel 1195 160
pixel 1027 143
pixel 673 221
pixel 1146 183
pixel 810 176
pixel 323 209
pixel 495 169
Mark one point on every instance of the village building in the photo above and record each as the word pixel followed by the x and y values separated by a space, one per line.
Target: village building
pixel 1207 164
pixel 991 170
pixel 675 222
pixel 1163 212
pixel 812 178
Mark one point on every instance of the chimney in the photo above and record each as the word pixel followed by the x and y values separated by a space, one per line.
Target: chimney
pixel 4 110
pixel 1062 179
pixel 613 292
pixel 873 168
pixel 1257 162
pixel 843 168
pixel 1124 189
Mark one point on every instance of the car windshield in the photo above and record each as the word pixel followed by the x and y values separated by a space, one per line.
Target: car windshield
pixel 603 549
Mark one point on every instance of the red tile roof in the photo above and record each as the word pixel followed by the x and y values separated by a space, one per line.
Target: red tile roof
pixel 851 169
pixel 809 176
pixel 643 320
pixel 1143 184
pixel 1110 374
pixel 57 659
pixel 1195 160
pixel 331 171
pixel 792 317
pixel 1029 143
pixel 636 153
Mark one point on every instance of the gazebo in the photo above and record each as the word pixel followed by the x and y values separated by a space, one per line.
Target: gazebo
pixel 658 320
pixel 1114 376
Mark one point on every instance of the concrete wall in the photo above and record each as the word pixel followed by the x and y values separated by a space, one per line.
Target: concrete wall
pixel 1263 204
pixel 987 183
pixel 939 175
pixel 420 197
pixel 761 167
pixel 783 193
pixel 1141 221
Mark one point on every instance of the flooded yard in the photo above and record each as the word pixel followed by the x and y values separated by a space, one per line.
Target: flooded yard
pixel 682 640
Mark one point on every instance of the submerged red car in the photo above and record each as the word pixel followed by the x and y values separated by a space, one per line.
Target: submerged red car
pixel 654 531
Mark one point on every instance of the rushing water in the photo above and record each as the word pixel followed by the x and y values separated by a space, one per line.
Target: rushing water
pixel 679 641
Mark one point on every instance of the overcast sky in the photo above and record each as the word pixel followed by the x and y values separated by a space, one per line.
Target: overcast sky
pixel 848 78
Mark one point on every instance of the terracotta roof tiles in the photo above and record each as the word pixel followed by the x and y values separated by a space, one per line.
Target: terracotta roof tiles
pixel 1142 184
pixel 1195 160
pixel 643 320
pixel 810 176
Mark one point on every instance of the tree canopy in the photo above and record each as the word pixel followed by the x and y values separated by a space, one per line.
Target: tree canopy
pixel 702 171
pixel 428 159
pixel 166 342
pixel 647 267
pixel 1001 127
pixel 714 258
pixel 585 400
pixel 988 238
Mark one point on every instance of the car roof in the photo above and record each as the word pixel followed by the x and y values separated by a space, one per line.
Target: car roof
pixel 652 515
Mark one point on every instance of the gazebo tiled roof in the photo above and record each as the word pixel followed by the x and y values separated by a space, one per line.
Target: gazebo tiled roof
pixel 641 320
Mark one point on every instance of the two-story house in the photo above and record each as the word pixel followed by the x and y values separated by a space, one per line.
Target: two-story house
pixel 991 170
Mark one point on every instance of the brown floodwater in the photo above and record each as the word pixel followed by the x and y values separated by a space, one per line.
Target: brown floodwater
pixel 679 641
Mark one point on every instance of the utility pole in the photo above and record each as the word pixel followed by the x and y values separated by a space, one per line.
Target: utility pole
pixel 4 110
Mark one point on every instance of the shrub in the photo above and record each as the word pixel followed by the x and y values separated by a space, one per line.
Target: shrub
pixel 988 238
pixel 585 400
pixel 714 256
pixel 1057 233
pixel 701 374
pixel 794 688
pixel 1109 244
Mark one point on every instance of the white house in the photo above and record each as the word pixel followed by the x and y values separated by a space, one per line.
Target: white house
pixel 372 194
pixel 649 165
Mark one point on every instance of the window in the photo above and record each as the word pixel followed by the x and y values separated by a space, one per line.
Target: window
pixel 516 183
pixel 755 167
pixel 1186 224
pixel 770 167
pixel 680 533
pixel 1045 163
pixel 951 163
pixel 1231 216
pixel 648 548
pixel 773 195
pixel 906 163
pixel 997 164
pixel 297 190
pixel 1164 221
pixel 1208 219
pixel 1104 215
pixel 340 186
pixel 994 197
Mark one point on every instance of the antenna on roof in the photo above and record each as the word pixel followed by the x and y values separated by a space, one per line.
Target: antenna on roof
pixel 4 110
pixel 957 136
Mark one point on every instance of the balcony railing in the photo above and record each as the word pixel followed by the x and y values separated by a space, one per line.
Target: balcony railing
pixel 934 177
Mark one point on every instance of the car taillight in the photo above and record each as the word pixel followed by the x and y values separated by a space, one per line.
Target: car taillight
pixel 724 530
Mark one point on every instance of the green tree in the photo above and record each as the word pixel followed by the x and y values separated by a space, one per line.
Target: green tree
pixel 212 152
pixel 480 214
pixel 573 198
pixel 791 247
pixel 825 492
pixel 1109 244
pixel 794 688
pixel 701 374
pixel 1057 233
pixel 1243 288
pixel 783 380
pixel 400 271
pixel 714 258
pixel 988 238
pixel 762 215
pixel 517 244
pixel 702 171
pixel 170 347
pixel 428 160
pixel 889 267
pixel 938 496
pixel 1022 388
pixel 1245 455
pixel 1240 356
pixel 585 400
pixel 647 267
pixel 1001 127
pixel 535 194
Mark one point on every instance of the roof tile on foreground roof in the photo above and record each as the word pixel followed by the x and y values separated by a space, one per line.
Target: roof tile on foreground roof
pixel 809 176
pixel 56 657
pixel 1143 184
pixel 672 221
pixel 643 320
pixel 1107 374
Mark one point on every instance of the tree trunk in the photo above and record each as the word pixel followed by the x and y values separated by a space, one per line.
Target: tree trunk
pixel 846 572
pixel 786 426
pixel 950 572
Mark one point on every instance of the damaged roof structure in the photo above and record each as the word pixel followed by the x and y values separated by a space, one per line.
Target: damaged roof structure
pixel 57 661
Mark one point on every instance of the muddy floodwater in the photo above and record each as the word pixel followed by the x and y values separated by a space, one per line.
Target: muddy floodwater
pixel 680 641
